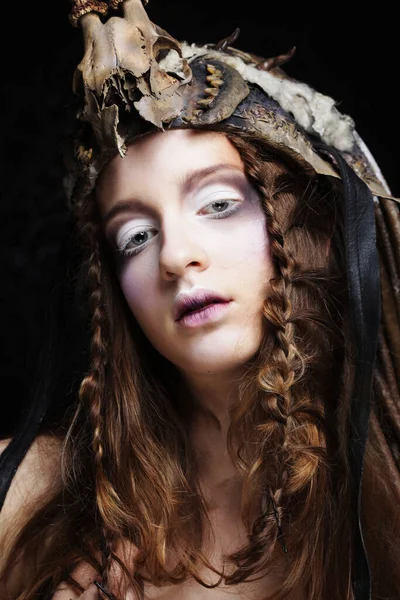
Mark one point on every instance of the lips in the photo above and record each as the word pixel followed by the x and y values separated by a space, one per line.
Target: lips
pixel 190 303
pixel 197 308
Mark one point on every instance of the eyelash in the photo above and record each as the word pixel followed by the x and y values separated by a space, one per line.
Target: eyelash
pixel 132 252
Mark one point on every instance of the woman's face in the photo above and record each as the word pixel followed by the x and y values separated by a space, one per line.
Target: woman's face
pixel 183 218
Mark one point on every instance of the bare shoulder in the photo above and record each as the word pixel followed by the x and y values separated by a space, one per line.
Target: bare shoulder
pixel 36 479
pixel 37 474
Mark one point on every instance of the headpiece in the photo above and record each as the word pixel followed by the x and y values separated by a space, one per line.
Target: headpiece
pixel 135 78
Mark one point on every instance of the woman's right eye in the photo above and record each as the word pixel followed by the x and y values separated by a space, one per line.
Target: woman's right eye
pixel 133 243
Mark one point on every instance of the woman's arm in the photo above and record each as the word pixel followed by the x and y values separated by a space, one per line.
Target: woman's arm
pixel 37 477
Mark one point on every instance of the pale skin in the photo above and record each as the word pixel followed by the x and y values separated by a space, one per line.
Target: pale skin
pixel 188 247
pixel 173 187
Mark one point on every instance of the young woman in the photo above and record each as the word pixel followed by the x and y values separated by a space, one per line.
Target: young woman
pixel 219 441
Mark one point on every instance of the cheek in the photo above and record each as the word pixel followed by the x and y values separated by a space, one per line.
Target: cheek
pixel 138 287
pixel 248 249
pixel 257 243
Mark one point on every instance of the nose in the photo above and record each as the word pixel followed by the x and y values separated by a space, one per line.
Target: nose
pixel 181 250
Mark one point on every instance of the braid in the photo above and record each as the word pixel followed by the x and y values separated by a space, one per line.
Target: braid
pixel 91 392
pixel 286 364
pixel 277 377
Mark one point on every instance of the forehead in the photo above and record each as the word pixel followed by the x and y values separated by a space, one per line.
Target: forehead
pixel 164 158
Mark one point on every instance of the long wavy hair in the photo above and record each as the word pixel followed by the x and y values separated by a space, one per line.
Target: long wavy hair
pixel 129 472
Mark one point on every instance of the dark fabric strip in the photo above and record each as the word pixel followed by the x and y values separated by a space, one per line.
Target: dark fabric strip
pixel 365 313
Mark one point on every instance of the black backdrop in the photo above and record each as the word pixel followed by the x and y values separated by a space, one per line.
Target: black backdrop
pixel 353 58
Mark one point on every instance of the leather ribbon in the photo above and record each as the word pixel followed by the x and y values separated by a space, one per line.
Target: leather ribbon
pixel 364 292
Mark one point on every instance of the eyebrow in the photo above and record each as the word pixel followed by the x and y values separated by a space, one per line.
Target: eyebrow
pixel 186 184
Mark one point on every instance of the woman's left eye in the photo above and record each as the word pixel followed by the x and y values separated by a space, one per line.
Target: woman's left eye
pixel 223 208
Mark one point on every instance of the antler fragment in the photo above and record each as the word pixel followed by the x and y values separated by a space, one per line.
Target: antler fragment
pixel 228 41
pixel 276 61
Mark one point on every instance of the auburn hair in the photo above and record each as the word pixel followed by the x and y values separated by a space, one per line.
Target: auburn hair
pixel 129 471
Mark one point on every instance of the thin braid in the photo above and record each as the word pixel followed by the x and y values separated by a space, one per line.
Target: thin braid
pixel 91 392
pixel 286 365
pixel 276 382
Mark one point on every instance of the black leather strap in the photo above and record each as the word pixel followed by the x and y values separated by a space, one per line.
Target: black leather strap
pixel 365 313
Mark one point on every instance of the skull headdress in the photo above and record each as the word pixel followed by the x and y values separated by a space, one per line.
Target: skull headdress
pixel 135 77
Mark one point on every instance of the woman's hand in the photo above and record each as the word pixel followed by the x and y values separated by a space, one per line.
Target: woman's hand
pixel 86 575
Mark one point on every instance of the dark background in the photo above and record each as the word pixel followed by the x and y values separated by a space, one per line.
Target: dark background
pixel 352 58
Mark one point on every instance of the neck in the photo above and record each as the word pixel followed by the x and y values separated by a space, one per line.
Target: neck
pixel 213 397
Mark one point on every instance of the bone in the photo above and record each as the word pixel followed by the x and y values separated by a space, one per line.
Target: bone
pixel 135 13
pixel 216 82
pixel 212 91
pixel 277 61
pixel 228 41
pixel 214 71
pixel 205 102
pixel 85 7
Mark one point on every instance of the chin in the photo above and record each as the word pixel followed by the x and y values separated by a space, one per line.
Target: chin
pixel 217 360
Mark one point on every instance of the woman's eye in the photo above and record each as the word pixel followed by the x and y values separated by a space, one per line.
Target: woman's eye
pixel 133 243
pixel 223 208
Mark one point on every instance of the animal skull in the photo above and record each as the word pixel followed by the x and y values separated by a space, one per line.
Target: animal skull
pixel 121 67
